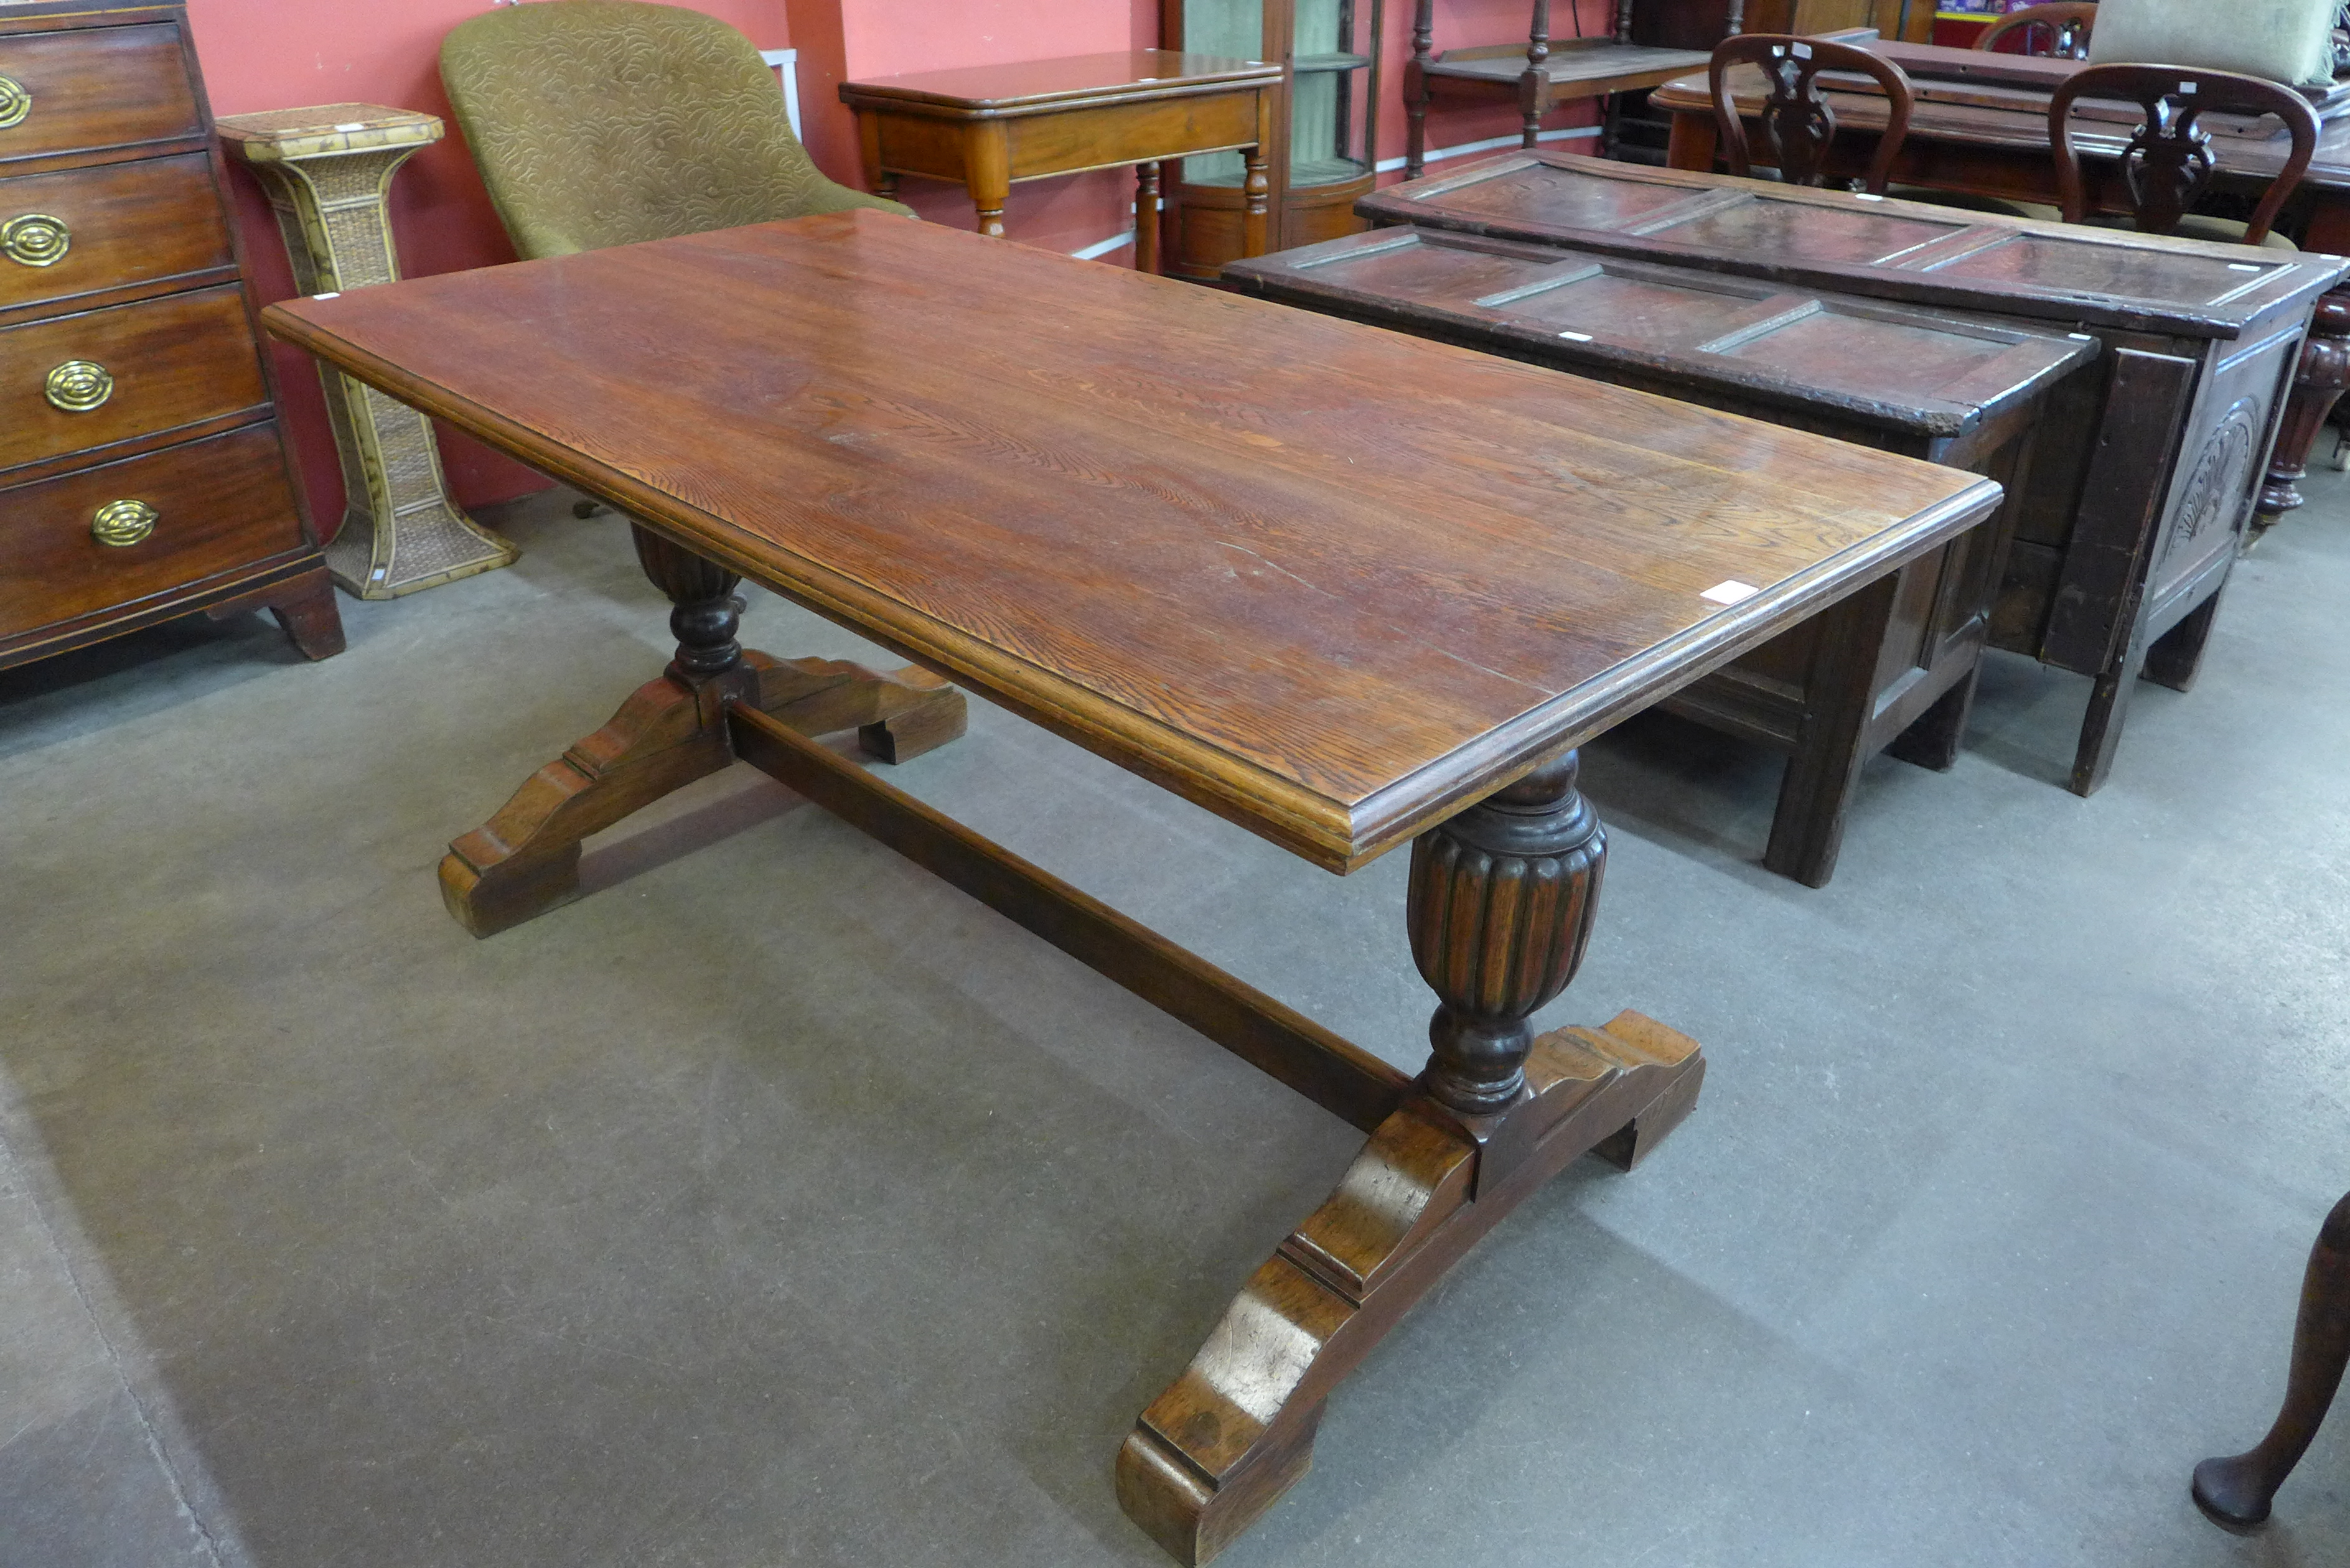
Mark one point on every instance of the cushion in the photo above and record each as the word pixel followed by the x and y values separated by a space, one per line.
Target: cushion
pixel 2284 40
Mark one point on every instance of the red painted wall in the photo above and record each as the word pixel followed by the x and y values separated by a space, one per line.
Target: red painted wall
pixel 282 54
pixel 272 54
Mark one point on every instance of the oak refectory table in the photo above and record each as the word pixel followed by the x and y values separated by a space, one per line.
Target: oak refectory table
pixel 1347 589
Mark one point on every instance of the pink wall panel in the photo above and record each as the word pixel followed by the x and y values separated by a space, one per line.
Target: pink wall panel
pixel 270 54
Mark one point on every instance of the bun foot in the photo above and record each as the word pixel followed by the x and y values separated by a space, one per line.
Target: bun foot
pixel 2233 1493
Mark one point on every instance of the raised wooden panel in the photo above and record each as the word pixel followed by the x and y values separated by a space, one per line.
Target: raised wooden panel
pixel 97 86
pixel 2093 267
pixel 1409 264
pixel 1859 348
pixel 1534 191
pixel 175 361
pixel 1625 305
pixel 2219 479
pixel 127 223
pixel 1806 232
pixel 220 504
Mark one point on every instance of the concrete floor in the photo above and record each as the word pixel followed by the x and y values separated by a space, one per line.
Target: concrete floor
pixel 777 1205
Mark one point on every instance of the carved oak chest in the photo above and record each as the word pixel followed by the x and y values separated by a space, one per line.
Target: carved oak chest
pixel 2145 480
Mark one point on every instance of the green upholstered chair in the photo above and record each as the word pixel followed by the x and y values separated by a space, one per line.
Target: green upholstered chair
pixel 603 122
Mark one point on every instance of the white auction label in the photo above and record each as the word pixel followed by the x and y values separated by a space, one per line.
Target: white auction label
pixel 1731 592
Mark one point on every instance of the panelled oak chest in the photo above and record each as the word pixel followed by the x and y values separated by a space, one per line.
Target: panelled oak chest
pixel 142 473
pixel 2143 482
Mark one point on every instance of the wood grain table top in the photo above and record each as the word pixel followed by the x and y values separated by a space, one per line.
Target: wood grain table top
pixel 1328 581
pixel 1039 87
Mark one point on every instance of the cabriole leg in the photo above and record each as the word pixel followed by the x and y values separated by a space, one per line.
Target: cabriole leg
pixel 2236 1491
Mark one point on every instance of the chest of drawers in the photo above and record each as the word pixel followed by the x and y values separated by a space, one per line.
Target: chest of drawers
pixel 142 473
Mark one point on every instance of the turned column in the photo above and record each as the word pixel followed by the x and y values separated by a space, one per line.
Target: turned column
pixel 2319 382
pixel 1415 89
pixel 705 614
pixel 1534 87
pixel 1499 911
pixel 1146 217
pixel 325 173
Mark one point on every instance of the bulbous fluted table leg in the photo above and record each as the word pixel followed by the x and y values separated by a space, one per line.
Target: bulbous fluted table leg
pixel 1500 910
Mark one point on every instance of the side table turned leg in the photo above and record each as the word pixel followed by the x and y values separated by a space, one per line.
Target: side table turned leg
pixel 326 184
pixel 526 859
pixel 1500 909
pixel 2317 385
pixel 2236 1491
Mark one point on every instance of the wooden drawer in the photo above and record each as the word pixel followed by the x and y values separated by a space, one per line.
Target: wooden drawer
pixel 118 223
pixel 93 87
pixel 174 362
pixel 221 504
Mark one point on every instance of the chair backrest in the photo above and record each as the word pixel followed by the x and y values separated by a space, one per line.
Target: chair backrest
pixel 2063 27
pixel 601 122
pixel 2168 160
pixel 1797 123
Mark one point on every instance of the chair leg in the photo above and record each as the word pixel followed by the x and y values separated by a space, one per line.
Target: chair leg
pixel 2236 1491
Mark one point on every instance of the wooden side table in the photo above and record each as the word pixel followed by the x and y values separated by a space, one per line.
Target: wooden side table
pixel 989 126
pixel 325 171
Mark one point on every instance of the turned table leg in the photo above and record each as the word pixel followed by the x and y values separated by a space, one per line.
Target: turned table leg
pixel 1500 910
pixel 1146 217
pixel 2236 1491
pixel 2317 386
pixel 526 859
pixel 987 170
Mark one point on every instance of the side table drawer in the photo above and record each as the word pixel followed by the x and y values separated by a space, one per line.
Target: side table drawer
pixel 92 87
pixel 84 230
pixel 154 366
pixel 217 504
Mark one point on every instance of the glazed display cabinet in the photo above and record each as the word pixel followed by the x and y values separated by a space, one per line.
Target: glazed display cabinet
pixel 1325 132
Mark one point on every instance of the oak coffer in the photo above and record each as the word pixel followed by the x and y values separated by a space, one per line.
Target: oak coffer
pixel 142 475
pixel 1892 670
pixel 2145 480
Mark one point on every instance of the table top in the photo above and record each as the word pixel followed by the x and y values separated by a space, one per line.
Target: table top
pixel 2004 111
pixel 1332 583
pixel 1040 86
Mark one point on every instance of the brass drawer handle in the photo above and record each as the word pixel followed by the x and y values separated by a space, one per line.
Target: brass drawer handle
pixel 122 524
pixel 77 385
pixel 16 103
pixel 35 239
